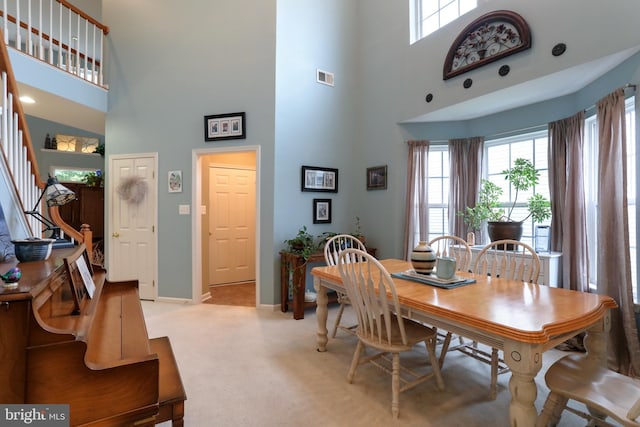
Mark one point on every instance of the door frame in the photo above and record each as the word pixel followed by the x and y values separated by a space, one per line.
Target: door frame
pixel 196 218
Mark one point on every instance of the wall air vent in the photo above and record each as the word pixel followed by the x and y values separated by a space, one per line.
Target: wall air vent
pixel 324 77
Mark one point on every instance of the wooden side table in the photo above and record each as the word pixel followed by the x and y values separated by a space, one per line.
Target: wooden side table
pixel 295 264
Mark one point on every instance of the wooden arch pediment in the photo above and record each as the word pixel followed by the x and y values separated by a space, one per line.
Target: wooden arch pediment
pixel 487 39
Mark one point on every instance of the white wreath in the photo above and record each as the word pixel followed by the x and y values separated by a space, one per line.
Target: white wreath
pixel 132 189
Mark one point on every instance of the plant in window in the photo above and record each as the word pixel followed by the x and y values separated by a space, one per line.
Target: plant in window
pixel 93 179
pixel 522 176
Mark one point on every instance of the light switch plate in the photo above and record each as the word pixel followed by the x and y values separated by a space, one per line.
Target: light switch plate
pixel 183 209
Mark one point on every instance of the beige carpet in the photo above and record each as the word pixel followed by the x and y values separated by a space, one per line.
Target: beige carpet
pixel 247 367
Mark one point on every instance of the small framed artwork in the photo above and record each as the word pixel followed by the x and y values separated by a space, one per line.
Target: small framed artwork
pixel 175 181
pixel 80 272
pixel 319 179
pixel 321 211
pixel 219 127
pixel 377 178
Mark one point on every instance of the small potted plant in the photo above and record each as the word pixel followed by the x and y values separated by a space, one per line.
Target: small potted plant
pixel 500 224
pixel 93 179
pixel 302 243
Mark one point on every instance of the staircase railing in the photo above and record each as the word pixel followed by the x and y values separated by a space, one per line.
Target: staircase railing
pixel 19 159
pixel 57 33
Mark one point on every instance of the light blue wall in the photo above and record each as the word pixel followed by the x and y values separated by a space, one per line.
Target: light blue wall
pixel 396 76
pixel 316 125
pixel 170 64
pixel 219 58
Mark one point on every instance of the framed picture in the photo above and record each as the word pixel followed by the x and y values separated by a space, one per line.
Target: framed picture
pixel 80 273
pixel 319 179
pixel 321 211
pixel 175 181
pixel 219 127
pixel 377 178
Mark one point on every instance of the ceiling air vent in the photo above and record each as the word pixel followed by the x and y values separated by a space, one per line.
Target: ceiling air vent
pixel 324 77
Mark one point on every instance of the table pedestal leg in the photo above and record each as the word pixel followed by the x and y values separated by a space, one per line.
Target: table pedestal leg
pixel 525 361
pixel 321 313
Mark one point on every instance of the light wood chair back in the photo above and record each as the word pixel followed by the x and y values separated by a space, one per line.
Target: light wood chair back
pixel 332 249
pixel 509 259
pixel 373 296
pixel 605 393
pixel 336 244
pixel 455 247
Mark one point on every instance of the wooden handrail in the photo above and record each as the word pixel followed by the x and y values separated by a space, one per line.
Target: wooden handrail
pixel 17 108
pixel 83 236
pixel 104 28
pixel 48 38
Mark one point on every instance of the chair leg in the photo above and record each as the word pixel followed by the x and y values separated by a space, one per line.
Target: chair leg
pixel 552 410
pixel 494 374
pixel 338 319
pixel 435 363
pixel 395 385
pixel 354 362
pixel 444 349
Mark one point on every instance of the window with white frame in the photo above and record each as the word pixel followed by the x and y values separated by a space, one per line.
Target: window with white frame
pixel 430 15
pixel 67 174
pixel 438 190
pixel 500 154
pixel 591 193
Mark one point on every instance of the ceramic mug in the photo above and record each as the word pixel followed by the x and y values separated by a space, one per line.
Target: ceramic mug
pixel 445 267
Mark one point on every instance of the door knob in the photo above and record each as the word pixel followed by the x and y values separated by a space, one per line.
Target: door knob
pixel 116 235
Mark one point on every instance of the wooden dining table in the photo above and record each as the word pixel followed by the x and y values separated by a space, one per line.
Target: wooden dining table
pixel 522 319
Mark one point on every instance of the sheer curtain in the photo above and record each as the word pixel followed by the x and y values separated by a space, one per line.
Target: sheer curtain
pixel 465 169
pixel 614 264
pixel 416 209
pixel 566 187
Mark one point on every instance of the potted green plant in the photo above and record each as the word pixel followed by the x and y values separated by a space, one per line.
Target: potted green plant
pixel 302 243
pixel 93 179
pixel 500 224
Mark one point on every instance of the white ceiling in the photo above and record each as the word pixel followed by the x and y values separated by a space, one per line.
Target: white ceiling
pixel 61 110
pixel 548 87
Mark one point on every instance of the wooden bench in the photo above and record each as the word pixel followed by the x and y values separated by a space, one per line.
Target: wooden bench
pixel 171 393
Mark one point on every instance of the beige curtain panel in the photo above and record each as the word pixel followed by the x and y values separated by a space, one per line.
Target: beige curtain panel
pixel 614 263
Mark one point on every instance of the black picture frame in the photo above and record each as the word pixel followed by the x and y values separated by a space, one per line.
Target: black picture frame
pixel 322 211
pixel 219 127
pixel 319 179
pixel 377 178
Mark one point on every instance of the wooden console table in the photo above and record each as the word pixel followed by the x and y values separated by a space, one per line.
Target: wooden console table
pixel 296 265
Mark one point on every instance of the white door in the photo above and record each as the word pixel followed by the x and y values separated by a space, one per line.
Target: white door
pixel 232 195
pixel 132 244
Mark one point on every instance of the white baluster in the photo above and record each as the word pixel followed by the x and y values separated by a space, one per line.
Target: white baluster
pixel 101 81
pixel 60 52
pixel 51 32
pixel 18 36
pixel 5 21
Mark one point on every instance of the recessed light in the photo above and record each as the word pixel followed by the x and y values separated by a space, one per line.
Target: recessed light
pixel 27 100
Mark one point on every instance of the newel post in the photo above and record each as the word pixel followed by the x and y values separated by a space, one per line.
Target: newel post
pixel 87 238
